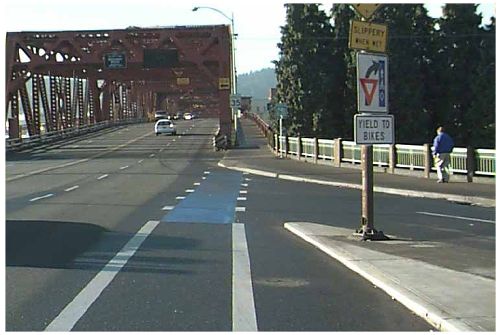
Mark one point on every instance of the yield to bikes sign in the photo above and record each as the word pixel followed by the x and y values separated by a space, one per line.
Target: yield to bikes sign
pixel 372 83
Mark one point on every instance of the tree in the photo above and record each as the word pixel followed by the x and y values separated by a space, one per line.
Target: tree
pixel 410 75
pixel 302 71
pixel 344 77
pixel 460 40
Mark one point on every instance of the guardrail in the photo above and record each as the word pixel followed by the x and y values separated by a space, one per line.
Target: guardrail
pixel 468 161
pixel 32 141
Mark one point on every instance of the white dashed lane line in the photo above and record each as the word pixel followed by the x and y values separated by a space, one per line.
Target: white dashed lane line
pixel 71 188
pixel 103 176
pixel 42 197
pixel 124 167
pixel 180 198
pixel 243 192
pixel 168 208
pixel 241 198
pixel 240 209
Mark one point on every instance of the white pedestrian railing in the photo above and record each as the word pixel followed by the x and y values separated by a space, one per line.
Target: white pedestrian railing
pixel 470 161
pixel 326 149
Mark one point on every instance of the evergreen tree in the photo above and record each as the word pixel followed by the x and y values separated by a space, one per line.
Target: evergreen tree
pixel 409 46
pixel 302 71
pixel 482 107
pixel 344 75
pixel 459 39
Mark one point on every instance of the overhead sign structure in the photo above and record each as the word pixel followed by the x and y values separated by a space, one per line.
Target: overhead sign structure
pixel 115 60
pixel 366 10
pixel 368 36
pixel 372 83
pixel 374 129
pixel 235 101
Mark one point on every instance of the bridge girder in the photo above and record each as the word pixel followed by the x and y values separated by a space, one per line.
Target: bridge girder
pixel 203 58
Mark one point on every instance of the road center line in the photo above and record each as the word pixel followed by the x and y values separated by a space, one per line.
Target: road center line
pixel 456 217
pixel 243 304
pixel 73 312
pixel 42 197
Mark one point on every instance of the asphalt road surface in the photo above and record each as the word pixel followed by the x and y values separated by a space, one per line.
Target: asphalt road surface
pixel 124 230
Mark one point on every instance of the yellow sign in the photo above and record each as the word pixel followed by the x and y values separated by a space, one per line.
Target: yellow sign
pixel 183 81
pixel 366 10
pixel 368 36
pixel 223 83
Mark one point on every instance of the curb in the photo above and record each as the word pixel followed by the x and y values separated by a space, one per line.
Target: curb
pixel 476 201
pixel 411 302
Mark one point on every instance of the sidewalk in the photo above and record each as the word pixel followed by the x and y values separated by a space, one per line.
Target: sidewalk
pixel 450 300
pixel 254 156
pixel 449 284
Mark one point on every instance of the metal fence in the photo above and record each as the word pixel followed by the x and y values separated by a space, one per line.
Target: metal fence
pixel 24 143
pixel 412 157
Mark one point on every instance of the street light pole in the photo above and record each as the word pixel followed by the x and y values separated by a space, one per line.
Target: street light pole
pixel 233 58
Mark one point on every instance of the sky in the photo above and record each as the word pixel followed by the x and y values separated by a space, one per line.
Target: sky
pixel 257 23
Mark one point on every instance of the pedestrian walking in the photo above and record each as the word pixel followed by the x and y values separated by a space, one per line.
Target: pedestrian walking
pixel 442 148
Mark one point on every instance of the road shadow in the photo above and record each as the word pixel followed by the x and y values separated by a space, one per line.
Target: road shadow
pixel 70 245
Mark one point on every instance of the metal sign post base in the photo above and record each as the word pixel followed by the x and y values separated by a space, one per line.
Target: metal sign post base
pixel 370 234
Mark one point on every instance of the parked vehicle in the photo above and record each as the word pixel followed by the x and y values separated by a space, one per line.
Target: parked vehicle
pixel 165 127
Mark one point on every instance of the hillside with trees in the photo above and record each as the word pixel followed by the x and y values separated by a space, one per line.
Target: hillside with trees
pixel 257 83
pixel 441 72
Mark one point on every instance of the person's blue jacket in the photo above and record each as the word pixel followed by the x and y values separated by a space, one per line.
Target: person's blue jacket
pixel 443 143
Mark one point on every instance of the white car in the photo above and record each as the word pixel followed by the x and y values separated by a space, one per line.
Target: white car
pixel 188 116
pixel 165 127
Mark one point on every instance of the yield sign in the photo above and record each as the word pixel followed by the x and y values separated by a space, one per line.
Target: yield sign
pixel 372 83
pixel 369 87
pixel 366 10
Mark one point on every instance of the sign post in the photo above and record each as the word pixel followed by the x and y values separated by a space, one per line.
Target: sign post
pixel 373 126
pixel 282 110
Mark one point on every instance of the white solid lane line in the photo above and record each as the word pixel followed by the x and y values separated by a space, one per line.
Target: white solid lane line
pixel 456 217
pixel 73 312
pixel 243 304
pixel 71 188
pixel 42 197
pixel 103 176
